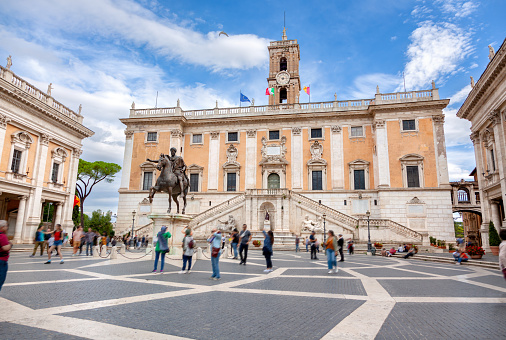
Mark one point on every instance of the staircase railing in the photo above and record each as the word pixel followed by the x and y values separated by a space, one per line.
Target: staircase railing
pixel 332 213
pixel 394 226
pixel 217 209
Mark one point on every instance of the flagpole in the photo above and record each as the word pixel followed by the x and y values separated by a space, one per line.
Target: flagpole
pixel 309 93
pixel 240 102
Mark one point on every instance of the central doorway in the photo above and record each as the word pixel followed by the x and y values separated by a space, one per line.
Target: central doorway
pixel 273 181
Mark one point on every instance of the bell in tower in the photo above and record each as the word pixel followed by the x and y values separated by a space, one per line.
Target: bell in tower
pixel 284 71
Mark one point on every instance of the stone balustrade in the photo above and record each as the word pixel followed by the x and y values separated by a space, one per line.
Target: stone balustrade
pixel 317 107
pixel 217 210
pixel 34 93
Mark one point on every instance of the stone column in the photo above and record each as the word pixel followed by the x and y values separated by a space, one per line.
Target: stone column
pixel 214 159
pixel 127 160
pixel 440 147
pixel 336 157
pixel 69 202
pixel 297 165
pixel 57 213
pixel 20 220
pixel 383 165
pixel 176 137
pixel 496 217
pixel 500 153
pixel 475 138
pixel 3 126
pixel 251 159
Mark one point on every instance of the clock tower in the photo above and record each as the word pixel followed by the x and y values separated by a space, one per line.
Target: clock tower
pixel 284 58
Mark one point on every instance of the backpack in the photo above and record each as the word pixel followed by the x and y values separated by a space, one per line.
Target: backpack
pixel 191 244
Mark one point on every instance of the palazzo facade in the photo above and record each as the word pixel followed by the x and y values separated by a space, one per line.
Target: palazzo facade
pixel 485 108
pixel 40 146
pixel 332 160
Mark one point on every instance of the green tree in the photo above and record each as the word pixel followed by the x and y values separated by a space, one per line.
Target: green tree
pixel 99 221
pixel 91 173
pixel 459 229
pixel 493 236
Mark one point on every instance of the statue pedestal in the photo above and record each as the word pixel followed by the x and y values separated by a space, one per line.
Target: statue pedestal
pixel 175 224
pixel 267 225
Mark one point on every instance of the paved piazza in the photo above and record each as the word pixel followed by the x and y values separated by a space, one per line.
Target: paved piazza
pixel 370 297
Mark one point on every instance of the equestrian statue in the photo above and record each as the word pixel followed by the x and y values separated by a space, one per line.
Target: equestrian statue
pixel 172 179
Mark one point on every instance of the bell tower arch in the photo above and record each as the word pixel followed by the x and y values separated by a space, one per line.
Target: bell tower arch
pixel 284 56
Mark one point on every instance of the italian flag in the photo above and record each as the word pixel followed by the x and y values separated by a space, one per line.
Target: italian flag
pixel 269 91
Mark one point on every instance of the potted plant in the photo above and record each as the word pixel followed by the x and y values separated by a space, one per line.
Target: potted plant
pixel 378 245
pixel 438 243
pixel 493 239
pixel 475 252
pixel 443 245
pixel 257 243
pixel 451 247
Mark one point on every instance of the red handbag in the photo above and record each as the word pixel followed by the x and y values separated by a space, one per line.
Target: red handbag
pixel 215 252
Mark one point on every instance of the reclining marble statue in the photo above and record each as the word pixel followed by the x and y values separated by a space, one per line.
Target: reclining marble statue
pixel 228 225
pixel 309 225
pixel 172 179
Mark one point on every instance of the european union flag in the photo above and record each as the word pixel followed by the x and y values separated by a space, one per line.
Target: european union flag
pixel 244 98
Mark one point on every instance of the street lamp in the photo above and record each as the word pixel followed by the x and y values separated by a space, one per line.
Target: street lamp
pixel 133 222
pixel 324 230
pixel 369 246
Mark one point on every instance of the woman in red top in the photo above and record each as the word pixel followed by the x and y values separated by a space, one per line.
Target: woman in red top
pixel 58 242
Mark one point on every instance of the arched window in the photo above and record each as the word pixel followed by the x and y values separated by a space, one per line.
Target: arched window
pixel 463 195
pixel 273 181
pixel 283 64
pixel 282 96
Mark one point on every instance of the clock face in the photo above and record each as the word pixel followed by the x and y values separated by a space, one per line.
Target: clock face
pixel 283 78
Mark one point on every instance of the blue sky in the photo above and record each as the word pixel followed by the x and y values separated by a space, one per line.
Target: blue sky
pixel 105 54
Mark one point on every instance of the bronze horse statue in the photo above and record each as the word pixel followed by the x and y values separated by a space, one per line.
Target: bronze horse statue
pixel 168 182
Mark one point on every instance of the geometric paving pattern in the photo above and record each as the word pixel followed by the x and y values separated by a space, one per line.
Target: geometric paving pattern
pixel 370 297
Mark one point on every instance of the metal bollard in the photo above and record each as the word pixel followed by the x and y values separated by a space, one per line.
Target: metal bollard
pixel 114 253
pixel 96 251
pixel 122 249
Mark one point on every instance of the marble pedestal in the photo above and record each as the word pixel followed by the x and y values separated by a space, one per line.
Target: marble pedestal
pixel 267 225
pixel 175 224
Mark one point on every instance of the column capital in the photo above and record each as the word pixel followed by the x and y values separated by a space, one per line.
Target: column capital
pixel 494 117
pixel 45 139
pixel 251 133
pixel 296 131
pixel 23 198
pixel 438 119
pixel 336 129
pixel 3 121
pixel 176 133
pixel 475 137
pixel 215 134
pixel 129 134
pixel 379 124
pixel 77 152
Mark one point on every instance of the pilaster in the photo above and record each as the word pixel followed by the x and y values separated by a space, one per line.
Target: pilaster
pixel 440 148
pixel 214 159
pixel 3 126
pixel 20 220
pixel 500 152
pixel 251 159
pixel 336 157
pixel 382 154
pixel 127 160
pixel 297 165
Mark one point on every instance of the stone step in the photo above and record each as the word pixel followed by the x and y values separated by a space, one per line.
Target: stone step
pixel 471 262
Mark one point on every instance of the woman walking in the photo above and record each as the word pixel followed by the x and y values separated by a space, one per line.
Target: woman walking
pixel 215 241
pixel 161 247
pixel 188 245
pixel 331 250
pixel 267 249
pixel 58 242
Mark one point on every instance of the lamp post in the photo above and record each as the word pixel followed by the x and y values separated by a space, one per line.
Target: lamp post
pixel 369 246
pixel 324 230
pixel 133 222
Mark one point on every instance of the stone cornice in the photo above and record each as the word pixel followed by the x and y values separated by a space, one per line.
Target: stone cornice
pixel 494 68
pixel 411 106
pixel 12 95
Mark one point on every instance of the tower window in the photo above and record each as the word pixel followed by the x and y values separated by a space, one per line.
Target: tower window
pixel 283 97
pixel 413 177
pixel 197 138
pixel 317 181
pixel 283 64
pixel 409 125
pixel 357 131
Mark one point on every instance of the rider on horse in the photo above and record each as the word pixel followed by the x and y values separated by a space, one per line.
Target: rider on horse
pixel 178 167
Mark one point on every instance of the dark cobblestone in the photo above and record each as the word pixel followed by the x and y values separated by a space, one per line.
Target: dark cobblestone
pixel 60 294
pixel 491 280
pixel 220 315
pixel 43 276
pixel 446 288
pixel 386 272
pixel 448 271
pixel 193 278
pixel 444 321
pixel 313 285
pixel 11 331
pixel 318 272
pixel 129 268
pixel 55 264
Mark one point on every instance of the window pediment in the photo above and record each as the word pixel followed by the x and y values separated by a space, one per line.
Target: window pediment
pixel 22 138
pixel 59 153
pixel 148 166
pixel 231 165
pixel 195 167
pixel 359 162
pixel 412 157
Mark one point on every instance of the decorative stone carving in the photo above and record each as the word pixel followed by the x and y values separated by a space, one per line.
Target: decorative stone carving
pixel 129 134
pixel 475 137
pixel 80 108
pixel 215 134
pixel 133 105
pixel 491 53
pixel 472 82
pixel 439 119
pixel 44 139
pixel 377 89
pixel 296 131
pixel 228 225
pixel 309 225
pixel 416 200
pixel 3 121
pixel 145 201
pixel 316 150
pixel 433 85
pixel 336 129
pixel 59 152
pixel 274 152
pixel 49 88
pixel 379 124
pixel 77 152
pixel 232 153
pixel 251 133
pixel 9 62
pixel 22 138
pixel 494 117
pixel 176 133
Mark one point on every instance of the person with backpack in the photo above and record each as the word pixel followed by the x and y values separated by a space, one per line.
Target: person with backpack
pixel 215 241
pixel 161 248
pixel 188 245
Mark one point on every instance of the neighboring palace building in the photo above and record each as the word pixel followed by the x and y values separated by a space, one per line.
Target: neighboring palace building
pixel 306 164
pixel 485 108
pixel 40 146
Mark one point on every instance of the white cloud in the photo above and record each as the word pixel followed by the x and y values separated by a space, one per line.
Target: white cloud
pixel 474 65
pixel 434 53
pixel 457 130
pixel 421 11
pixel 393 38
pixel 364 86
pixel 135 26
pixel 460 96
pixel 458 8
pixel 461 162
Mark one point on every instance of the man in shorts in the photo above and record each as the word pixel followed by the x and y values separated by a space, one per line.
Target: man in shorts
pixel 58 243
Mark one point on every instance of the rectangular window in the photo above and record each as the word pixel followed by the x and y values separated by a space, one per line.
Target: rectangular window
pixel 274 135
pixel 54 174
pixel 357 131
pixel 197 139
pixel 413 178
pixel 233 137
pixel 409 125
pixel 317 180
pixel 16 161
pixel 194 182
pixel 359 179
pixel 147 181
pixel 231 181
pixel 316 133
pixel 492 158
pixel 152 136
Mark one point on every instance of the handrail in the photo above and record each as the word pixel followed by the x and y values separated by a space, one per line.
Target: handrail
pixel 396 227
pixel 217 209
